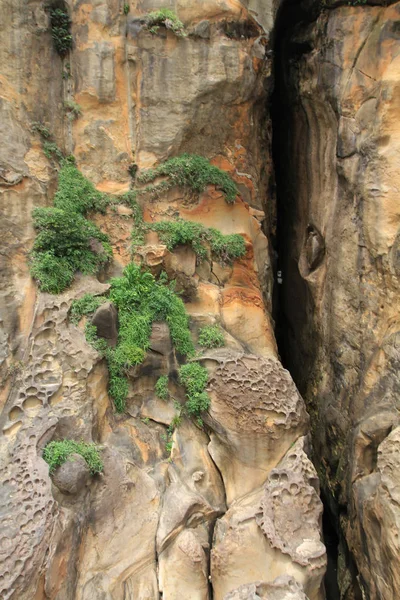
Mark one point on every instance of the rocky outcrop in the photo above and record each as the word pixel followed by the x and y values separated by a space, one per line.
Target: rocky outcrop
pixel 176 493
pixel 338 175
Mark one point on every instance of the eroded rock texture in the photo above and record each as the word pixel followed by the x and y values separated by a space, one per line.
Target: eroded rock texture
pixel 339 176
pixel 147 526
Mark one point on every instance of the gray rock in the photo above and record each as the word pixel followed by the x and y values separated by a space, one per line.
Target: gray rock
pixel 202 30
pixel 73 475
pixel 105 319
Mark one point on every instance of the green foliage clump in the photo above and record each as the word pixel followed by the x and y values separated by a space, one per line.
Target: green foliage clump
pixel 63 246
pixel 167 18
pixel 126 8
pixel 57 453
pixel 180 232
pixel 52 151
pixel 61 30
pixel 190 171
pixel 140 300
pixel 211 336
pixel 64 243
pixel 73 108
pixel 41 129
pixel 162 387
pixel 194 378
pixel 86 305
pixel 77 194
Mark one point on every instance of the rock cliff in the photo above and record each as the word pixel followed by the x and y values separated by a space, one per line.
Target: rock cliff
pixel 199 483
pixel 160 162
pixel 337 149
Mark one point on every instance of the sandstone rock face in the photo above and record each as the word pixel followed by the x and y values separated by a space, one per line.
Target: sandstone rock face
pixel 149 525
pixel 339 176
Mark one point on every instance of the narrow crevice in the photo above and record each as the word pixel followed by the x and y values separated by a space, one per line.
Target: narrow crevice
pixel 291 295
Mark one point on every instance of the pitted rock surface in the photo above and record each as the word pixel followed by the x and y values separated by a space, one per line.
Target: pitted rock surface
pixel 51 386
pixel 282 588
pixel 278 524
pixel 291 509
pixel 258 394
pixel 256 413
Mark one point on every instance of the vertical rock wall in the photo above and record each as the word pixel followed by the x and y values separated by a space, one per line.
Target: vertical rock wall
pixel 338 156
pixel 234 510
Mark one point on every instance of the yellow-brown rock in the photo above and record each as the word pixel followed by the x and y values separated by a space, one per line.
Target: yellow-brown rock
pixel 143 529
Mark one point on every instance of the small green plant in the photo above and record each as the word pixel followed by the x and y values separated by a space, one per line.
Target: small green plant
pixel 190 171
pixel 132 170
pixel 167 18
pixel 61 30
pixel 52 151
pixel 66 74
pixel 126 8
pixel 162 387
pixel 211 336
pixel 194 377
pixel 73 108
pixel 56 453
pixel 41 129
pixel 225 248
pixel 140 300
pixel 87 305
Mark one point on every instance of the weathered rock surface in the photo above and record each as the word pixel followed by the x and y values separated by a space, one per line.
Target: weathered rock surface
pixel 278 525
pixel 145 526
pixel 250 437
pixel 72 476
pixel 339 173
pixel 282 588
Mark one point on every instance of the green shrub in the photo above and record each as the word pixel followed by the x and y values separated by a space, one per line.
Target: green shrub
pixel 52 151
pixel 63 246
pixel 61 30
pixel 162 387
pixel 167 18
pixel 73 108
pixel 193 172
pixel 52 273
pixel 211 336
pixel 194 378
pixel 77 194
pixel 224 248
pixel 140 300
pixel 126 8
pixel 41 129
pixel 180 232
pixel 57 453
pixel 64 243
pixel 87 305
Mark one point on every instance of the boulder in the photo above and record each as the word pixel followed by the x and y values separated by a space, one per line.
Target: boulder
pixel 73 475
pixel 105 319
